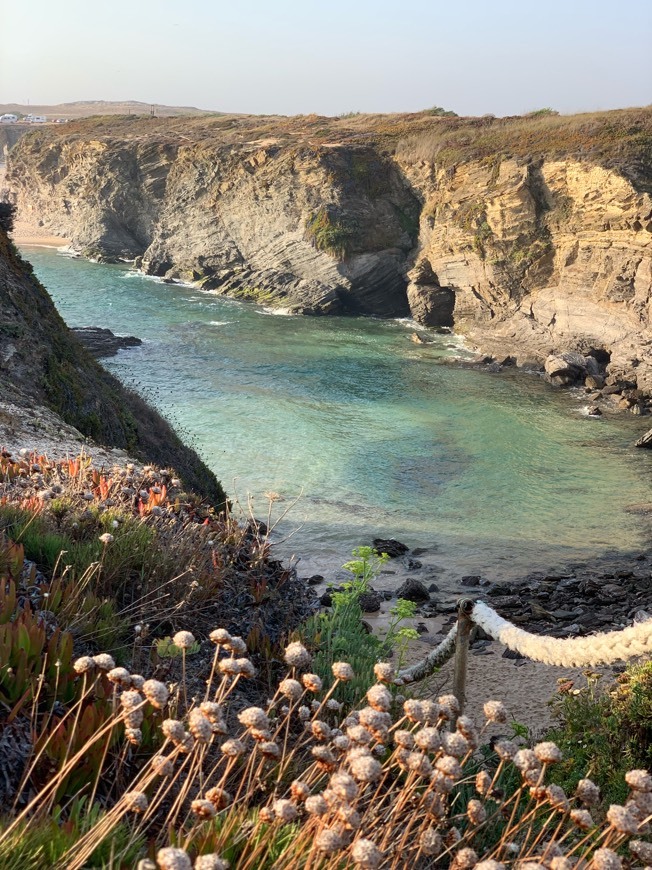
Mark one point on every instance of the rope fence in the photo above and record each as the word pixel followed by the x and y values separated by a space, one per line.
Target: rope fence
pixel 596 649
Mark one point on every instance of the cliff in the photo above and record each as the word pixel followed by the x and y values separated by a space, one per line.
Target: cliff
pixel 44 366
pixel 531 235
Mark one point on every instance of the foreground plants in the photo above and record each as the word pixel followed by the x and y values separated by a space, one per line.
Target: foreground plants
pixel 295 784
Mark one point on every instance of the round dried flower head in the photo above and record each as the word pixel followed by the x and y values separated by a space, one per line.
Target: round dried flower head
pixel 384 672
pixel 162 765
pixel 156 692
pixel 145 864
pixel 489 864
pixel 203 809
pixel 220 636
pixel 284 810
pixel 419 764
pixel 449 706
pixel 219 797
pixel 316 805
pixel 137 681
pixel 476 812
pixel 455 744
pixel 406 739
pixel 341 743
pixel 375 720
pixel 211 862
pixel 379 698
pixel 642 850
pixel 254 717
pixel 452 836
pixel 557 797
pixel 560 862
pixel 212 711
pixel 639 780
pixel 199 726
pixel 588 792
pixel 186 745
pixel 344 786
pixel 328 841
pixel 183 639
pixel 266 815
pixel 505 749
pixel 449 766
pixel 136 801
pixel 431 842
pixel 622 820
pixel 606 859
pixel 131 699
pixel 366 855
pixel 172 858
pixel 312 682
pixel 299 790
pixel 297 656
pixel 495 711
pixel 582 819
pixel 483 783
pixel 465 859
pixel 236 645
pixel 428 739
pixel 548 752
pixel 134 736
pixel 104 661
pixel 270 749
pixel 106 538
pixel 413 709
pixel 349 817
pixel 525 759
pixel 303 713
pixel 324 758
pixel 366 769
pixel 358 734
pixel 233 748
pixel 290 689
pixel 84 664
pixel 173 729
pixel 342 671
pixel 230 667
pixel 320 730
pixel 441 783
pixel 466 726
pixel 642 800
pixel 530 865
pixel 120 676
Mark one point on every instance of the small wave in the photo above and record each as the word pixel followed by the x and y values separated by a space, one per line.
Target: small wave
pixel 584 411
pixel 220 322
pixel 276 312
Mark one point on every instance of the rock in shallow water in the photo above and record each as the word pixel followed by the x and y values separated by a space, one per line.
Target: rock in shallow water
pixel 102 342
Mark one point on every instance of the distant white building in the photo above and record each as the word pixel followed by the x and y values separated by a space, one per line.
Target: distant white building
pixel 8 119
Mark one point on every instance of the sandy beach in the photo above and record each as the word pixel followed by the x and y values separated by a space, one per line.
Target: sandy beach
pixel 26 233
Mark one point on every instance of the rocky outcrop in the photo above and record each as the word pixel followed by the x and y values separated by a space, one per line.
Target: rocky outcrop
pixel 42 365
pixel 102 342
pixel 531 236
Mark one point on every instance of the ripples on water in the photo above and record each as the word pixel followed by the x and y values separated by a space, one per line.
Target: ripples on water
pixel 499 472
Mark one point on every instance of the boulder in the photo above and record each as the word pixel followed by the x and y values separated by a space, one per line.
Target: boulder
pixel 645 440
pixel 413 590
pixel 102 342
pixel 568 368
pixel 370 601
pixel 390 546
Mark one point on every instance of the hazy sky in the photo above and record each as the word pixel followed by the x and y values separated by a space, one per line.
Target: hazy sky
pixel 332 56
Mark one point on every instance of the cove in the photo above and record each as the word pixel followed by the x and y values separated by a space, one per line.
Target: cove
pixel 496 474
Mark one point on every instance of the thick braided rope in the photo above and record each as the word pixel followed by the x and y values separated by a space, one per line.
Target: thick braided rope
pixel 597 649
pixel 434 659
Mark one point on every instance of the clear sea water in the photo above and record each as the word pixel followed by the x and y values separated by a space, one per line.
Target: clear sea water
pixel 497 474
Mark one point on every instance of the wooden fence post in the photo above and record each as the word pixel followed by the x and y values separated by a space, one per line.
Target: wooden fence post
pixel 464 625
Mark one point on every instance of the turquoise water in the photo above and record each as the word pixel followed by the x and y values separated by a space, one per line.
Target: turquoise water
pixel 497 473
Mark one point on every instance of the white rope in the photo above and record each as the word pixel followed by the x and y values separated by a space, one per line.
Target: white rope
pixel 597 649
pixel 434 659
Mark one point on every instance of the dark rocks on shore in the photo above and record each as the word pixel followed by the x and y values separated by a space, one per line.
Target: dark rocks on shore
pixel 392 547
pixel 370 601
pixel 413 590
pixel 102 342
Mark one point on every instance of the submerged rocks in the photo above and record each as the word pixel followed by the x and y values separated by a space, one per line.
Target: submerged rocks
pixel 413 590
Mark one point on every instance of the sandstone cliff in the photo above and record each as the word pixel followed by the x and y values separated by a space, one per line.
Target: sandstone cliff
pixel 531 235
pixel 42 365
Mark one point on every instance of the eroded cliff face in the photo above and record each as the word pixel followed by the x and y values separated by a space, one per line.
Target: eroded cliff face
pixel 536 258
pixel 531 237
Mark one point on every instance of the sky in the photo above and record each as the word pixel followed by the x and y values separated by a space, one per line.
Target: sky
pixel 331 56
